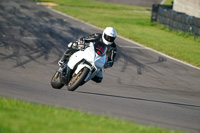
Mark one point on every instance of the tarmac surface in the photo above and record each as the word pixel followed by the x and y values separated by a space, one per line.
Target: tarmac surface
pixel 143 86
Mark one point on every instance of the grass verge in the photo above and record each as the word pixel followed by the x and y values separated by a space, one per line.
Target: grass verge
pixel 168 2
pixel 23 117
pixel 134 23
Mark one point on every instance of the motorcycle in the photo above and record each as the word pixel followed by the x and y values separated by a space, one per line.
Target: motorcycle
pixel 84 65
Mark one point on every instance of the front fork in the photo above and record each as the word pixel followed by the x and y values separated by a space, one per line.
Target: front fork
pixel 66 73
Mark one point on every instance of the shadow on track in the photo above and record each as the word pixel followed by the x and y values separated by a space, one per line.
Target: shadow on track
pixel 31 34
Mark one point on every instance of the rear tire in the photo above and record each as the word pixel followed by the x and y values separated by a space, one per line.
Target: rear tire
pixel 56 81
pixel 78 79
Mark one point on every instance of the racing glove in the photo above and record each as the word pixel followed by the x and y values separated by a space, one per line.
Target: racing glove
pixel 73 45
pixel 79 45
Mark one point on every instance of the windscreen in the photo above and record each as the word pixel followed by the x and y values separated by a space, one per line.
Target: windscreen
pixel 100 48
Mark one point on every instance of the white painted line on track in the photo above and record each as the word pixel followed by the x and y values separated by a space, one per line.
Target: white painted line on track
pixel 126 39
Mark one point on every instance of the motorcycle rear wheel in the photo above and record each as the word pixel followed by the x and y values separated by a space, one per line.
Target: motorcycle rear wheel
pixel 56 81
pixel 77 79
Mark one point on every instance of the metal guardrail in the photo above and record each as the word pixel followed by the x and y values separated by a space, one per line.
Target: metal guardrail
pixel 164 14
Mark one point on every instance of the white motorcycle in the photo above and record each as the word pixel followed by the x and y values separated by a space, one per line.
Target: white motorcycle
pixel 85 64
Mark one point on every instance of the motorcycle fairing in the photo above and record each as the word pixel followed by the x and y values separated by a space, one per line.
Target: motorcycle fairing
pixel 89 55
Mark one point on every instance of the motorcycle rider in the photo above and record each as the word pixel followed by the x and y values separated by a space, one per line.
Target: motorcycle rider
pixel 108 37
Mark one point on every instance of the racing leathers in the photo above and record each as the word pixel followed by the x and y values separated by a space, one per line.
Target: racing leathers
pixel 81 44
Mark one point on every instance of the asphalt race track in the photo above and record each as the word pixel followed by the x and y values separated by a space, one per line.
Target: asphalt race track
pixel 143 86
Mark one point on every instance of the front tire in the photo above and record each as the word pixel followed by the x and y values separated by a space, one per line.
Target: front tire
pixel 78 79
pixel 56 81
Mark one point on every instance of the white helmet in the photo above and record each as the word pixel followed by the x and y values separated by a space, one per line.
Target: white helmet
pixel 109 35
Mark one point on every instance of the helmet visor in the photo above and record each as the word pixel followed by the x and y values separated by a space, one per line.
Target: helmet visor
pixel 109 38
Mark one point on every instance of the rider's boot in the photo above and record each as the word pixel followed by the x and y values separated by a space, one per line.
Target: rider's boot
pixel 98 77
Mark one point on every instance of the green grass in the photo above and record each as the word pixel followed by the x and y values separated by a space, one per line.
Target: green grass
pixel 168 2
pixel 134 23
pixel 23 117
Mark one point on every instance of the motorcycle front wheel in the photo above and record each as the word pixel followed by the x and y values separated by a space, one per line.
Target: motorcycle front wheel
pixel 77 79
pixel 56 81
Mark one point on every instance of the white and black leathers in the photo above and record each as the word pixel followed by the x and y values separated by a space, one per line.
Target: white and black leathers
pixel 112 49
pixel 81 44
